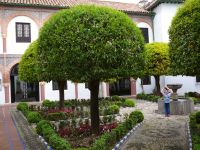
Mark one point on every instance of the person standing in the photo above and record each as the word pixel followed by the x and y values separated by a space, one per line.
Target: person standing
pixel 167 95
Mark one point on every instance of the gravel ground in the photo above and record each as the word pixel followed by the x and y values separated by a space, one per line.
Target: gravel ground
pixel 30 139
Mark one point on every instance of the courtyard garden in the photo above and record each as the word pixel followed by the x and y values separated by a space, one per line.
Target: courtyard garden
pixel 70 128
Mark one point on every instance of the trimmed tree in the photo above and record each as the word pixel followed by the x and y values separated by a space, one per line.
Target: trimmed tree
pixel 184 46
pixel 89 44
pixel 157 61
pixel 27 65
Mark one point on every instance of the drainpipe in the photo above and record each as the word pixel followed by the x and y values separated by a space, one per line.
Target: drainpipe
pixel 153 28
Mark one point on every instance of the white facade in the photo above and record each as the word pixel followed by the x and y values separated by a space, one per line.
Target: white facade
pixel 147 88
pixel 1 43
pixel 2 92
pixel 19 48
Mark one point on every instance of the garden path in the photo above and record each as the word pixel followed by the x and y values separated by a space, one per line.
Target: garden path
pixel 158 132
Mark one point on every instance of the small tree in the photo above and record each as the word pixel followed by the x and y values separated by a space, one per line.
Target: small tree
pixel 27 64
pixel 157 61
pixel 89 44
pixel 184 46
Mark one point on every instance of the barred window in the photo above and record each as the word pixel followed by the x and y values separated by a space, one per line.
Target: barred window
pixel 23 33
pixel 145 34
pixel 146 80
pixel 197 79
pixel 86 85
pixel 55 85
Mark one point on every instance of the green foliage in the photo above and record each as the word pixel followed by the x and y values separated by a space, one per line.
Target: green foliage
pixel 124 99
pixel 24 110
pixel 99 144
pixel 156 98
pixel 47 133
pixel 139 96
pixel 58 143
pixel 27 65
pixel 129 123
pixel 34 117
pixel 186 95
pixel 195 100
pixel 192 118
pixel 184 38
pixel 157 58
pixel 130 103
pixel 115 98
pixel 40 125
pixel 96 42
pixel 137 114
pixel 46 102
pixel 191 94
pixel 198 116
pixel 119 103
pixel 114 109
pixel 52 116
pixel 22 104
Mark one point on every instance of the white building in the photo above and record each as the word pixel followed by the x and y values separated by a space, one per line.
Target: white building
pixel 20 24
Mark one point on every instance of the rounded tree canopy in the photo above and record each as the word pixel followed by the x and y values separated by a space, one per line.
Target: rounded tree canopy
pixel 89 42
pixel 27 64
pixel 184 35
pixel 157 58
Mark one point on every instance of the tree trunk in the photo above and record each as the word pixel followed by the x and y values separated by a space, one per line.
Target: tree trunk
pixel 94 105
pixel 61 85
pixel 157 78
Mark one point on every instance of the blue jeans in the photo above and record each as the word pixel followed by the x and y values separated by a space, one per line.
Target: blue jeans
pixel 167 108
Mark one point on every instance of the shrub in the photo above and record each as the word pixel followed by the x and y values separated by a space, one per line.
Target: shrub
pixel 108 98
pixel 186 95
pixel 40 125
pixel 124 99
pixel 58 143
pixel 46 102
pixel 52 116
pixel 99 144
pixel 115 98
pixel 108 140
pixel 195 100
pixel 156 98
pixel 114 109
pixel 34 117
pixel 129 123
pixel 192 118
pixel 138 96
pixel 47 132
pixel 191 94
pixel 119 103
pixel 198 116
pixel 22 104
pixel 138 114
pixel 130 103
pixel 24 110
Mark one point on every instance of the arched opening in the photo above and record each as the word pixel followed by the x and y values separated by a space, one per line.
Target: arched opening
pixel 22 91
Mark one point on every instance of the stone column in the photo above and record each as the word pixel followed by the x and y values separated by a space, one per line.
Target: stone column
pixel 107 89
pixel 6 89
pixel 133 86
pixel 42 87
pixel 102 89
pixel 4 36
pixel 76 90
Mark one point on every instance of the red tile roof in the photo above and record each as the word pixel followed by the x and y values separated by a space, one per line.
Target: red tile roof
pixel 126 7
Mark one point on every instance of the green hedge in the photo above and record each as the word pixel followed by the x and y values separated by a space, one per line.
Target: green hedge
pixel 130 103
pixel 115 98
pixel 195 100
pixel 113 109
pixel 197 116
pixel 138 114
pixel 22 104
pixel 39 126
pixel 34 117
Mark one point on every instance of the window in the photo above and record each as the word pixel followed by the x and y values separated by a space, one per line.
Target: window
pixel 145 34
pixel 197 79
pixel 23 32
pixel 86 85
pixel 146 80
pixel 55 85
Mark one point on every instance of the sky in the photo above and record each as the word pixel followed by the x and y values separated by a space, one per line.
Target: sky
pixel 125 1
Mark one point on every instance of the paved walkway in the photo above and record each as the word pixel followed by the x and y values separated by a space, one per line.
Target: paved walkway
pixel 9 138
pixel 158 132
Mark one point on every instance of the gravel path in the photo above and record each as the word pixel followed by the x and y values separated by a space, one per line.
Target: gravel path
pixel 30 139
pixel 158 132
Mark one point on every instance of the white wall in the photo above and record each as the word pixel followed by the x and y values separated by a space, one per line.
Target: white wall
pixel 54 94
pixel 145 25
pixel 83 93
pixel 19 48
pixel 147 88
pixel 162 21
pixel 2 92
pixel 189 83
pixel 1 43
